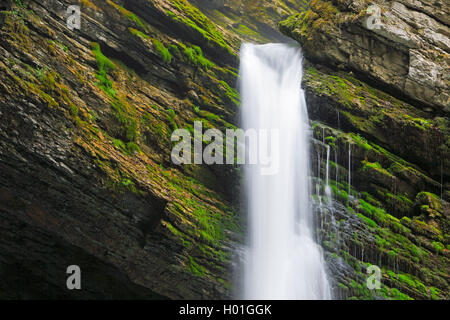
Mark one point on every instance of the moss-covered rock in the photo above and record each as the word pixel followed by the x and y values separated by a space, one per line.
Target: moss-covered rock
pixel 394 54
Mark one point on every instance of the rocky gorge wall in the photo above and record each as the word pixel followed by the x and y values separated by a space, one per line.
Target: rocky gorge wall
pixel 86 175
pixel 378 98
pixel 86 116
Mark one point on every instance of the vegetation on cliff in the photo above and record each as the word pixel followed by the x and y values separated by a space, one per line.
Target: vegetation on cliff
pixel 85 142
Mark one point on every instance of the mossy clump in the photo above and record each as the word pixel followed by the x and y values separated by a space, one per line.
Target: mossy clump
pixel 331 141
pixel 399 204
pixel 369 221
pixel 361 141
pixel 171 116
pixel 47 79
pixel 129 123
pixel 429 199
pixel 195 19
pixel 129 148
pixel 439 247
pixel 194 56
pixel 231 93
pixel 435 293
pixel 122 183
pixel 104 66
pixel 121 109
pixel 319 16
pixel 162 50
pixel 246 31
pixel 395 294
pixel 195 268
pixel 378 214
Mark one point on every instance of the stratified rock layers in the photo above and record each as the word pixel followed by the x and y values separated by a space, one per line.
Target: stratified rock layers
pixel 86 118
pixel 86 176
pixel 382 93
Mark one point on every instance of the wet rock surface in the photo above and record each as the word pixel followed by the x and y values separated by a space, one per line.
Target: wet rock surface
pixel 402 46
pixel 85 123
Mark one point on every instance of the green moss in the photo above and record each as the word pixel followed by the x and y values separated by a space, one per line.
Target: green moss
pixel 430 199
pixel 133 148
pixel 196 109
pixel 93 116
pixel 74 110
pixel 382 243
pixel 392 254
pixel 439 247
pixel 366 109
pixel 435 293
pixel 209 115
pixel 49 99
pixel 319 16
pixel 194 56
pixel 406 221
pixel 374 165
pixel 124 184
pixel 246 31
pixel 414 250
pixel 129 15
pixel 128 123
pixel 399 203
pixel 104 66
pixel 370 199
pixel 162 50
pixel 62 46
pixel 232 94
pixel 209 231
pixel 174 230
pixel 330 141
pixel 138 33
pixel 361 141
pixel 405 278
pixel 392 274
pixel 122 111
pixel 342 286
pixel 226 284
pixel 195 268
pixel 47 78
pixel 397 295
pixel 369 221
pixel 174 50
pixel 119 144
pixel 194 18
pixel 171 118
pixel 378 214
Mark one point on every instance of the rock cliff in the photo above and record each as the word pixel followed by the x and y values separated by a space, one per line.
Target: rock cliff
pixel 376 83
pixel 86 117
pixel 86 175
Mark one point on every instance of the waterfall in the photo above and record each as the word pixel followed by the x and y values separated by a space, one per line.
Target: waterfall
pixel 283 261
pixel 337 167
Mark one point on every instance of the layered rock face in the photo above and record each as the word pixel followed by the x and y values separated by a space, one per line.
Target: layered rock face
pixel 379 101
pixel 251 20
pixel 402 46
pixel 86 175
pixel 86 117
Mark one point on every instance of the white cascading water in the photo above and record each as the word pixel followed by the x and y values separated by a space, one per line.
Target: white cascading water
pixel 282 261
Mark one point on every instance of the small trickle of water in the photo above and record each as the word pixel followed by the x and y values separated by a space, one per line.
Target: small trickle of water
pixel 337 167
pixel 349 168
pixel 327 185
